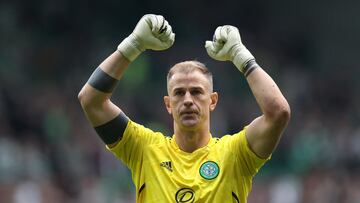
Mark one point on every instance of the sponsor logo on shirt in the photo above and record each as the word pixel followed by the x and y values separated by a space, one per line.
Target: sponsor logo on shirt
pixel 185 195
pixel 209 170
pixel 167 165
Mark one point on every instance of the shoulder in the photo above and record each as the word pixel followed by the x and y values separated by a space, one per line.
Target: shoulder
pixel 234 143
pixel 136 132
pixel 232 137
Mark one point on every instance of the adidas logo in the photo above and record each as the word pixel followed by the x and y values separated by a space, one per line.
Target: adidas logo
pixel 167 165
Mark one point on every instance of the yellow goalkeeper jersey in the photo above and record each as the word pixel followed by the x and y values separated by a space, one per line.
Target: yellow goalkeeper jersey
pixel 220 172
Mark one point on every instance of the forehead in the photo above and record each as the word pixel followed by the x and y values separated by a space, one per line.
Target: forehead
pixel 187 80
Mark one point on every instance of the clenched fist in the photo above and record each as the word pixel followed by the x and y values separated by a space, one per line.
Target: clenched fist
pixel 151 32
pixel 227 46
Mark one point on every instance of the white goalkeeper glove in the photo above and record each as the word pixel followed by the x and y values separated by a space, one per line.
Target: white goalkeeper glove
pixel 151 32
pixel 227 46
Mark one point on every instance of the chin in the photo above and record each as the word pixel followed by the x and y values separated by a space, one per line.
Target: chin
pixel 190 123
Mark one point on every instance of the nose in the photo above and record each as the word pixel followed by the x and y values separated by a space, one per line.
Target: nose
pixel 188 100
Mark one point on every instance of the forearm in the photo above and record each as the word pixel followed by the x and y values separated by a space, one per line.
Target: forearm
pixel 115 65
pixel 268 95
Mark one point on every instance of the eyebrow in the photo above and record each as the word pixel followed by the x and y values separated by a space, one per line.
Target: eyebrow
pixel 191 88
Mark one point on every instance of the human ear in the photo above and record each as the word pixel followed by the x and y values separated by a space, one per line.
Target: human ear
pixel 167 104
pixel 214 99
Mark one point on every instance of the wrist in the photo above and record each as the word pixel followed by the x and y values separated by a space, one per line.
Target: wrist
pixel 249 67
pixel 130 47
pixel 241 57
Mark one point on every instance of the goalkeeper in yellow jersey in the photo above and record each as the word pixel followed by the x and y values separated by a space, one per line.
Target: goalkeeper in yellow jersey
pixel 191 165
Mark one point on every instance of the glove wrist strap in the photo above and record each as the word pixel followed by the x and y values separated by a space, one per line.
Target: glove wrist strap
pixel 130 48
pixel 242 57
pixel 249 67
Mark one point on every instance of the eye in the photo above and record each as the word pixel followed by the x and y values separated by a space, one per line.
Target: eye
pixel 196 92
pixel 179 93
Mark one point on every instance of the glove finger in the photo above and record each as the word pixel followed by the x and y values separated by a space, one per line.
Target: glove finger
pixel 171 39
pixel 159 23
pixel 151 21
pixel 168 42
pixel 164 27
pixel 209 46
pixel 216 36
pixel 224 34
pixel 168 30
pixel 167 33
pixel 164 36
pixel 218 40
pixel 233 33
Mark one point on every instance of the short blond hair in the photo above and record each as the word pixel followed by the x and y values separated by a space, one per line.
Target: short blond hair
pixel 188 67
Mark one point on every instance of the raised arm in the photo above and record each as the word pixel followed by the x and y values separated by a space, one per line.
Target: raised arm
pixel 264 132
pixel 151 32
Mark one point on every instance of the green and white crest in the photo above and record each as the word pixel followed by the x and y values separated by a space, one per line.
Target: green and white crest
pixel 209 170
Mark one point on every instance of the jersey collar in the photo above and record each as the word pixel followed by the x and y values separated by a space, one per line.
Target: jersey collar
pixel 206 147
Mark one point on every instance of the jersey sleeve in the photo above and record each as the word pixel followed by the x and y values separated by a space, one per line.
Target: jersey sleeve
pixel 131 147
pixel 247 160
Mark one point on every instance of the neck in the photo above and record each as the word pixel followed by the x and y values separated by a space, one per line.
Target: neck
pixel 190 140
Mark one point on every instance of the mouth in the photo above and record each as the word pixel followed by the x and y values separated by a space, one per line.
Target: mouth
pixel 189 117
pixel 188 112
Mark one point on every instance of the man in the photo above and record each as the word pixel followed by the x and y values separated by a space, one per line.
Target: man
pixel 192 166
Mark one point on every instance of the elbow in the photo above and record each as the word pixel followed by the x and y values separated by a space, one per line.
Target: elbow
pixel 285 113
pixel 82 98
pixel 280 112
pixel 91 101
pixel 85 100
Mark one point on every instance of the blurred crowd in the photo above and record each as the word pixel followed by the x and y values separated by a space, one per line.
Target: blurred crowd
pixel 50 153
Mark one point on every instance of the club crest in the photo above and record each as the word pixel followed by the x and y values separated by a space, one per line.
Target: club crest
pixel 209 170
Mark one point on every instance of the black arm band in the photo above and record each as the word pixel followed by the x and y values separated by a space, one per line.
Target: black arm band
pixel 102 81
pixel 249 67
pixel 113 130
